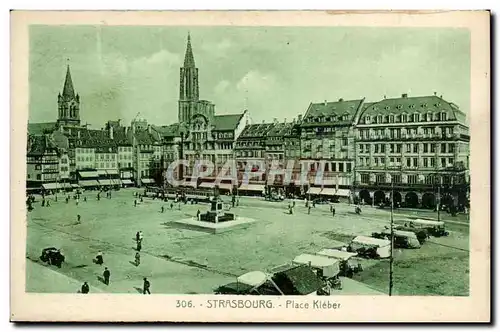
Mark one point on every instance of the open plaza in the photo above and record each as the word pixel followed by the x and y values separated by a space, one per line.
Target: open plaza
pixel 178 259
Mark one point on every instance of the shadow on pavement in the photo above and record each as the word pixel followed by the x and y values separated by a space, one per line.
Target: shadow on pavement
pixel 138 289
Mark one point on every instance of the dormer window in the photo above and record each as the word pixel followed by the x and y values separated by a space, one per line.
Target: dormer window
pixel 443 116
pixel 367 119
pixel 404 118
pixel 412 106
pixel 399 107
pixel 387 108
pixel 416 117
pixel 379 118
pixel 391 118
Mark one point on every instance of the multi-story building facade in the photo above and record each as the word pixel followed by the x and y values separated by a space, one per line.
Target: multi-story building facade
pixel 416 145
pixel 42 163
pixel 327 146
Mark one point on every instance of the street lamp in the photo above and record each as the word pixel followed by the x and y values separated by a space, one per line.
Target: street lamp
pixel 391 259
pixel 183 131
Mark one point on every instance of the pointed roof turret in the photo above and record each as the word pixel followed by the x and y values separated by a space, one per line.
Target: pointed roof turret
pixel 68 91
pixel 189 58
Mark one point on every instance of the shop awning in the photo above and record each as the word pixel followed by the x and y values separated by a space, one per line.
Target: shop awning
pixel 147 181
pixel 252 187
pixel 102 172
pixel 112 172
pixel 127 181
pixel 117 182
pixel 226 186
pixel 88 174
pixel 74 185
pixel 207 185
pixel 88 183
pixel 314 190
pixel 188 183
pixel 328 191
pixel 50 186
pixel 65 185
pixel 105 182
pixel 343 193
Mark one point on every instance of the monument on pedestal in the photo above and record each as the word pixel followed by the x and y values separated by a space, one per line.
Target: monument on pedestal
pixel 216 213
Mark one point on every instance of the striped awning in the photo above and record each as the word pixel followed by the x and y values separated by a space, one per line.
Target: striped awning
pixel 343 192
pixel 147 181
pixel 252 187
pixel 314 190
pixel 328 191
pixel 112 171
pixel 50 186
pixel 74 185
pixel 226 186
pixel 105 182
pixel 102 172
pixel 88 183
pixel 207 185
pixel 65 185
pixel 127 181
pixel 88 174
pixel 117 182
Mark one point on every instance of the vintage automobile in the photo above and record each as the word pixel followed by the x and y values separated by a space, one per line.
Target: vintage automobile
pixel 370 247
pixel 402 239
pixel 348 265
pixel 52 256
pixel 434 228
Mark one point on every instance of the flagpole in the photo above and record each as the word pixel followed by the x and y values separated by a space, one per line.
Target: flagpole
pixel 391 259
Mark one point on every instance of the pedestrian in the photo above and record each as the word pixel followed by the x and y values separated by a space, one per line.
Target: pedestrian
pixel 56 198
pixel 293 204
pixel 314 204
pixel 67 200
pixel 43 202
pixel 198 215
pixel 137 259
pixel 135 203
pixel 98 196
pixel 48 203
pixel 99 258
pixel 78 218
pixel 309 210
pixel 141 199
pixel 139 245
pixel 146 286
pixel 106 274
pixel 85 198
pixel 77 201
pixel 141 236
pixel 171 206
pixel 162 209
pixel 333 211
pixel 85 288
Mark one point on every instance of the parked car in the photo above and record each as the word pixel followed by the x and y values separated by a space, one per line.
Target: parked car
pixel 52 256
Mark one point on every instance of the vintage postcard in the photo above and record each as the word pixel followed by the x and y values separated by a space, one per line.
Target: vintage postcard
pixel 305 166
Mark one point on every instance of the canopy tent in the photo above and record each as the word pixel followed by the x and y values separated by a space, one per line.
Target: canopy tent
pixel 254 278
pixel 88 174
pixel 88 183
pixel 50 186
pixel 252 187
pixel 207 185
pixel 328 191
pixel 383 246
pixel 227 186
pixel 302 279
pixel 329 266
pixel 338 254
pixel 314 190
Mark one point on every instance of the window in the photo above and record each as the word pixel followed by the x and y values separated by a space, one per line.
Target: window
pixel 443 162
pixel 341 167
pixel 391 118
pixel 380 178
pixel 415 162
pixel 404 118
pixel 334 167
pixel 443 116
pixel 415 148
pixel 433 162
pixel 38 167
pixel 38 176
pixel 412 179
pixel 451 148
pixel 398 161
pixel 365 178
pixel 326 167
pixel 382 161
pixel 376 148
pixel 426 148
pixel 408 162
pixel 396 178
pixel 391 132
pixel 392 149
pixel 382 148
pixel 433 147
pixel 349 167
pixel 450 161
pixel 391 161
pixel 426 162
pixel 398 148
pixel 375 161
pixel 408 147
pixel 443 147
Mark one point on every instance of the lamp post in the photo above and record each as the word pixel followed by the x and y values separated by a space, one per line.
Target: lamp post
pixel 183 131
pixel 391 259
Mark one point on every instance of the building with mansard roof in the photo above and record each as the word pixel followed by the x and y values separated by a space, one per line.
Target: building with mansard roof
pixel 417 145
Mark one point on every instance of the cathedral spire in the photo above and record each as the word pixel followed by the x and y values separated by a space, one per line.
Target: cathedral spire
pixel 68 91
pixel 189 58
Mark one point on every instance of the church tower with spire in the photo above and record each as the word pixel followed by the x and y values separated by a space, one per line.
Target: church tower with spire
pixel 188 89
pixel 68 104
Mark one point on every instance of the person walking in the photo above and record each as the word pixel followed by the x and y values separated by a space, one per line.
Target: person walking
pixel 135 203
pixel 162 209
pixel 106 274
pixel 67 200
pixel 77 201
pixel 43 202
pixel 137 236
pixel 146 286
pixel 99 258
pixel 137 259
pixel 98 196
pixel 198 215
pixel 85 198
pixel 78 218
pixel 85 288
pixel 171 206
pixel 309 210
pixel 139 245
pixel 48 203
pixel 333 211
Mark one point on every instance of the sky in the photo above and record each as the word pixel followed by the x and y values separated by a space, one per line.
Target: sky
pixel 124 72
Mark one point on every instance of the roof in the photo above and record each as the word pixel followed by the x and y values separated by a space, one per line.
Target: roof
pixel 41 128
pixel 404 234
pixel 40 145
pixel 227 121
pixel 302 278
pixel 280 129
pixel 144 137
pixel 428 222
pixel 409 105
pixel 168 130
pixel 254 278
pixel 371 240
pixel 68 91
pixel 259 130
pixel 334 253
pixel 189 58
pixel 332 112
pixel 315 260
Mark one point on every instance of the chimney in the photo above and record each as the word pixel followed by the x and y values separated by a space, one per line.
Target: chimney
pixel 385 97
pixel 441 96
pixel 111 132
pixel 341 99
pixel 404 95
pixel 299 118
pixel 69 131
pixel 78 134
pixel 435 93
pixel 126 130
pixel 263 121
pixel 149 129
pixel 284 120
pixel 133 128
pixel 325 102
pixel 275 120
